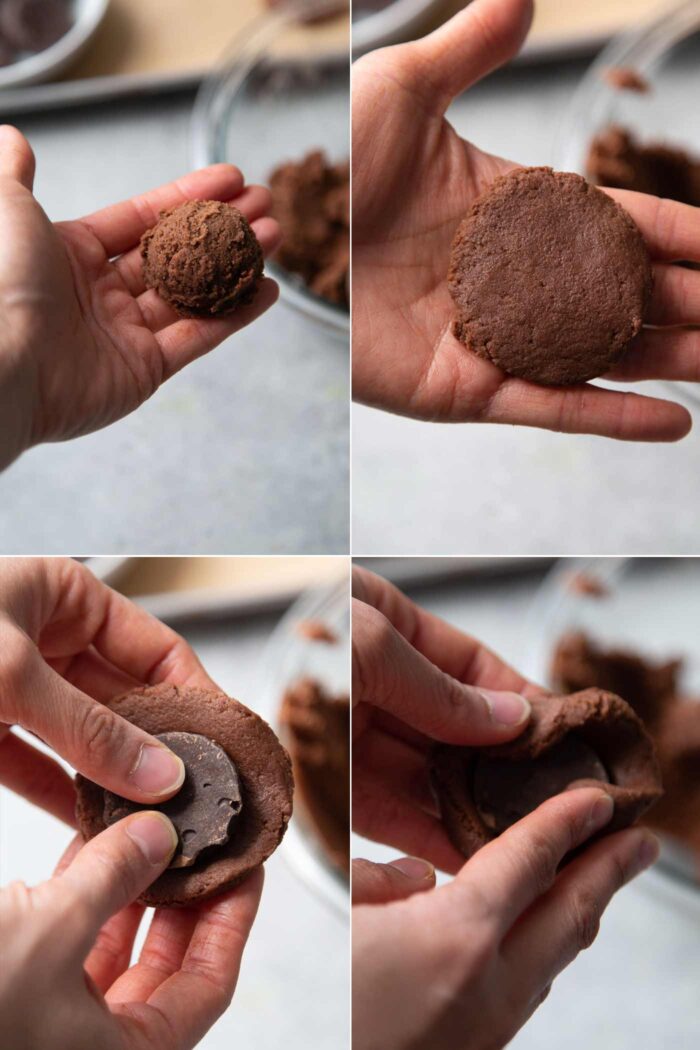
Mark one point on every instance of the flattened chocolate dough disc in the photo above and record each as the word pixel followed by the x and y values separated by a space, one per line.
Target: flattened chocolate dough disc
pixel 551 278
pixel 266 783
pixel 587 738
pixel 205 806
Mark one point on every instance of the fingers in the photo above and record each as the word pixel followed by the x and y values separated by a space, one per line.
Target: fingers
pixel 185 341
pixel 455 652
pixel 588 410
pixel 82 612
pixel 671 230
pixel 383 883
pixel 512 871
pixel 661 353
pixel 110 955
pixel 16 156
pixel 675 299
pixel 392 675
pixel 382 815
pixel 35 776
pixel 99 743
pixel 194 997
pixel 120 226
pixel 482 37
pixel 566 920
pixel 112 870
pixel 164 949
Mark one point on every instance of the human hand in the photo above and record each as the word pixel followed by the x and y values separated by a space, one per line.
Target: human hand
pixel 414 179
pixel 69 644
pixel 461 967
pixel 66 980
pixel 416 680
pixel 83 342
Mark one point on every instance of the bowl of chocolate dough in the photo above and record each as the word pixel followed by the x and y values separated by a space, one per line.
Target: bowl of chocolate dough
pixel 305 694
pixel 634 122
pixel 632 627
pixel 278 107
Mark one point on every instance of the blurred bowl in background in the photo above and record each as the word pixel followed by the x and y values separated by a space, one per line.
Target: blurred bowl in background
pixel 34 68
pixel 652 606
pixel 375 24
pixel 666 53
pixel 281 91
pixel 289 657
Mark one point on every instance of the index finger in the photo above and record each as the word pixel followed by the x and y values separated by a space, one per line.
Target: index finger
pixel 454 652
pixel 671 230
pixel 119 226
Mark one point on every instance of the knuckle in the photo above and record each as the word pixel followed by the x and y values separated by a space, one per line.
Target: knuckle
pixel 585 919
pixel 17 654
pixel 96 731
pixel 540 858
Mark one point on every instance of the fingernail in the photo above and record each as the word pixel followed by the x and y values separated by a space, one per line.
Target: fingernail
pixel 414 868
pixel 506 709
pixel 158 771
pixel 154 835
pixel 600 814
pixel 647 854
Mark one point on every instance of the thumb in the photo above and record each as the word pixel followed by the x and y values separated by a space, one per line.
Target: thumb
pixel 16 156
pixel 110 872
pixel 391 675
pixel 482 37
pixel 383 883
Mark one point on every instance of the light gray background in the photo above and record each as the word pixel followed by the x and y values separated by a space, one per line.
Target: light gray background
pixel 245 451
pixel 422 488
pixel 637 987
pixel 294 986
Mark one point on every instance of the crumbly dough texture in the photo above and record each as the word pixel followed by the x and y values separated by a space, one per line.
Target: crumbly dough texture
pixel 602 720
pixel 265 773
pixel 551 278
pixel 202 258
pixel 616 157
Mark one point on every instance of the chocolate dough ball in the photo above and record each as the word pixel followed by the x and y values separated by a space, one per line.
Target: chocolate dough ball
pixel 203 258
pixel 318 728
pixel 34 25
pixel 263 771
pixel 588 738
pixel 550 277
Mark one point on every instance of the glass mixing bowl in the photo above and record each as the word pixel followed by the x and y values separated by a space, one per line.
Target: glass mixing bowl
pixel 289 657
pixel 651 605
pixel 281 90
pixel 666 53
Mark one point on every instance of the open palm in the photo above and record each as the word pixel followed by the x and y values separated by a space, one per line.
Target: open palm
pixel 414 179
pixel 83 340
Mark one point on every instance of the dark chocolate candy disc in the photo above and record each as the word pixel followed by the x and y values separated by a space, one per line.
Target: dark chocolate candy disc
pixel 506 791
pixel 206 805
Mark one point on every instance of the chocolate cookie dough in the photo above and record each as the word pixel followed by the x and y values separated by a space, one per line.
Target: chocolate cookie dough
pixel 617 158
pixel 591 737
pixel 647 685
pixel 34 25
pixel 678 745
pixel 203 258
pixel 318 728
pixel 550 277
pixel 311 202
pixel 263 769
pixel 206 805
pixel 623 78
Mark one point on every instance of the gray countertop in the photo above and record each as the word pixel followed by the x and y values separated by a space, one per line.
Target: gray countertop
pixel 245 451
pixel 294 985
pixel 483 489
pixel 636 987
